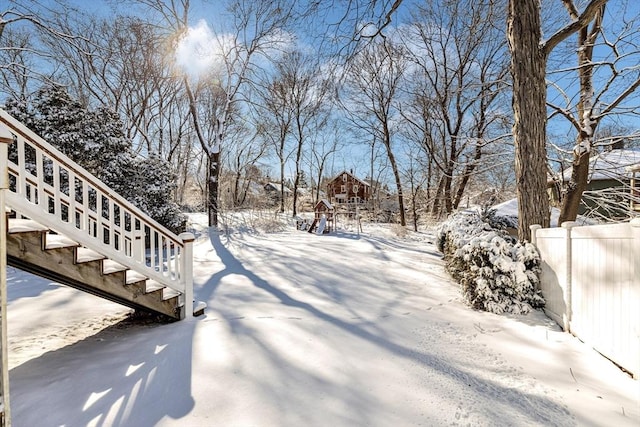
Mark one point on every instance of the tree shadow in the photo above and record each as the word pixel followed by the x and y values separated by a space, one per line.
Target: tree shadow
pixel 102 381
pixel 528 404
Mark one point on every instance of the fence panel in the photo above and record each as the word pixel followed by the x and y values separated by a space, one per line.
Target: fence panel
pixel 591 281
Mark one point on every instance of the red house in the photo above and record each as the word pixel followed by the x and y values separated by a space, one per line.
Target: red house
pixel 347 188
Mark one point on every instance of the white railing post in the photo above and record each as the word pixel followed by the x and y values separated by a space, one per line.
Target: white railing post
pixel 566 316
pixel 6 138
pixel 186 272
pixel 138 247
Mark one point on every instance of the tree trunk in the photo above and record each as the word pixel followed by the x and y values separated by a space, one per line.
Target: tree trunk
pixel 576 186
pixel 582 150
pixel 281 185
pixel 296 182
pixel 214 171
pixel 437 200
pixel 528 63
pixel 466 176
pixel 396 174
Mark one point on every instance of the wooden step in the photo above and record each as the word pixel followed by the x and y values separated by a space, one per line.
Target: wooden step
pixel 58 241
pixel 135 277
pixel 87 255
pixel 18 225
pixel 110 266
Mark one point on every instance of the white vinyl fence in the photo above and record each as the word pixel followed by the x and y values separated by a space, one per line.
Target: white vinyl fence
pixel 591 284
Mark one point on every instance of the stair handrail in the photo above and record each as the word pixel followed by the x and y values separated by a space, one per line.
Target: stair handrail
pixel 117 230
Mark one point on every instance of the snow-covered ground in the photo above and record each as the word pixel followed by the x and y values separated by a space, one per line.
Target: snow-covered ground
pixel 303 330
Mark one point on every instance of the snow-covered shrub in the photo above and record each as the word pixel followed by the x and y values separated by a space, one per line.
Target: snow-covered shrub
pixel 497 273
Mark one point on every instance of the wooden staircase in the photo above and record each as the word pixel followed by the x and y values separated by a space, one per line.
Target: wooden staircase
pixel 36 249
pixel 63 224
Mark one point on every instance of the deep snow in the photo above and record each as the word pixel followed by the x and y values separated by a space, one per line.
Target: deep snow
pixel 305 330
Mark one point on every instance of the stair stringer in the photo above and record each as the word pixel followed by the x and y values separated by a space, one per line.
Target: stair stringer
pixel 26 251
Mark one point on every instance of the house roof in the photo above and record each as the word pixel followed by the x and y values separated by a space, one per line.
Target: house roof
pixel 276 186
pixel 352 175
pixel 613 164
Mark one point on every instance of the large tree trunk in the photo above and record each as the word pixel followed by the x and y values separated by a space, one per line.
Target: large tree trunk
pixel 528 62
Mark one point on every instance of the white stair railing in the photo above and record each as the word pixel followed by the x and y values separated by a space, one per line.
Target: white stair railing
pixel 48 187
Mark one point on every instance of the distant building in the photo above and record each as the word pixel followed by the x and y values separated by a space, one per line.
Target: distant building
pixel 346 188
pixel 273 190
pixel 613 175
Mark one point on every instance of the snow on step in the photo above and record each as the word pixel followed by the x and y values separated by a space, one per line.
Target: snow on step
pixel 17 225
pixel 109 266
pixel 167 293
pixel 87 255
pixel 152 285
pixel 55 241
pixel 134 276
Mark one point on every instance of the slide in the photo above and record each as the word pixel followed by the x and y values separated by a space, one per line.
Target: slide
pixel 323 222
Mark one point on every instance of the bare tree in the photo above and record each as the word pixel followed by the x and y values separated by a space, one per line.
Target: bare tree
pixel 416 176
pixel 460 65
pixel 529 54
pixel 275 124
pixel 371 89
pixel 254 29
pixel 307 93
pixel 242 158
pixel 607 72
pixel 27 64
pixel 322 146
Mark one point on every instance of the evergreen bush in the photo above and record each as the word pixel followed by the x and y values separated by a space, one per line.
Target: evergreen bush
pixel 496 272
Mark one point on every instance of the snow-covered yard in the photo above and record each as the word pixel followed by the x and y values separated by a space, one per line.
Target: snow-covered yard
pixel 305 330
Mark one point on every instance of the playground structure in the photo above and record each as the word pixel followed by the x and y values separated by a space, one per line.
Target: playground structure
pixel 323 220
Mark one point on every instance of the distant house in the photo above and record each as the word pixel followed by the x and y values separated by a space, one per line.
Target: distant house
pixel 346 188
pixel 611 175
pixel 273 190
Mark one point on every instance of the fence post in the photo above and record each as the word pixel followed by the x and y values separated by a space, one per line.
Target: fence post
pixel 6 138
pixel 566 316
pixel 187 272
pixel 534 233
pixel 635 229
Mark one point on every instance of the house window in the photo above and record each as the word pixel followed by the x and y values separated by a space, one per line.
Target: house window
pixel 343 188
pixel 344 177
pixel 355 189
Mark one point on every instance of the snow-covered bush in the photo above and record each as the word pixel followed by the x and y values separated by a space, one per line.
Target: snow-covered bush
pixel 497 273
